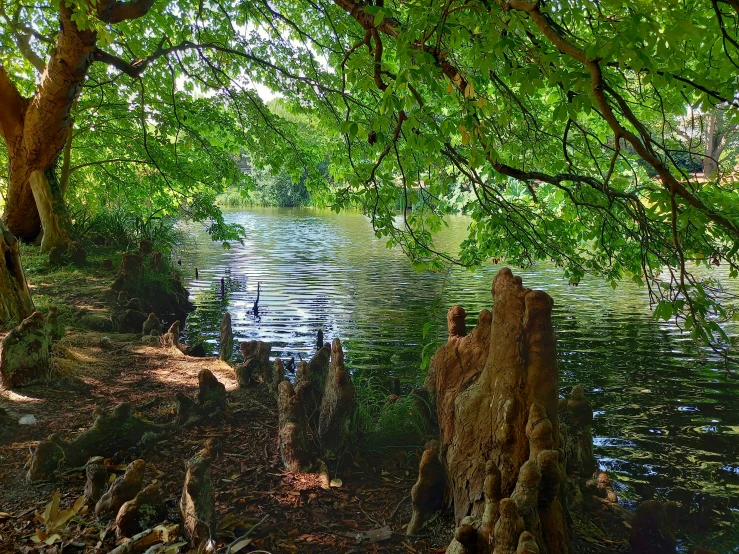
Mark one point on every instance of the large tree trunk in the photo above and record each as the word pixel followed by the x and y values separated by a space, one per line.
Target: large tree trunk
pixel 66 163
pixel 36 131
pixel 21 215
pixel 500 436
pixel 15 300
pixel 50 204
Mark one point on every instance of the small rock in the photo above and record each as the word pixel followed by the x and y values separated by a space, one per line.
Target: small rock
pixel 28 419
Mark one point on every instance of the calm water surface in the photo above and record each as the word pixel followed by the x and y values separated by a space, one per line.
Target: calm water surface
pixel 667 418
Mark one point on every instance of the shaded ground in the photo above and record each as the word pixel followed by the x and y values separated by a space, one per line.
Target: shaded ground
pixel 250 480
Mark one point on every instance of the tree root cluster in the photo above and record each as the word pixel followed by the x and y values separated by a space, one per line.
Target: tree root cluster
pixel 111 432
pixel 128 500
pixel 315 413
pixel 512 457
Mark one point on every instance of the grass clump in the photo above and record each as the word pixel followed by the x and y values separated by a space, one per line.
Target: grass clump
pixel 124 230
pixel 382 423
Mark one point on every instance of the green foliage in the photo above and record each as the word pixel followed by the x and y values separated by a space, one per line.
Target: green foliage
pixel 281 190
pixel 124 229
pixel 384 424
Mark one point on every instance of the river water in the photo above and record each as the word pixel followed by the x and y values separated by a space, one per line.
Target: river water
pixel 667 418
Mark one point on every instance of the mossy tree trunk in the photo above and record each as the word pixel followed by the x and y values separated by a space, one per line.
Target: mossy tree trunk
pixel 15 299
pixel 47 194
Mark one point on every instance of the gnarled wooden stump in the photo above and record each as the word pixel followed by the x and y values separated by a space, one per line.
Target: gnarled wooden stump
pixel 278 375
pixel 496 392
pixel 132 269
pixel 111 432
pixel 211 401
pixel 654 527
pixel 123 489
pixel 457 364
pixel 321 404
pixel 25 353
pixel 97 479
pixel 197 503
pixel 427 494
pixel 256 366
pixel 337 404
pixel 293 429
pixel 144 511
pixel 226 344
pixel 171 339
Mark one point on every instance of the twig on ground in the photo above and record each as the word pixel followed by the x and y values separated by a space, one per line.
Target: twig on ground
pixel 245 536
pixel 395 511
pixel 233 455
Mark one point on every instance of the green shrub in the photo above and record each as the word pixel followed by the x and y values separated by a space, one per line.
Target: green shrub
pixel 379 423
pixel 118 227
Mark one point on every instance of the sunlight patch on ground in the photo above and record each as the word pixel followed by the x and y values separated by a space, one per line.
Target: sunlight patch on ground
pixel 13 396
pixel 79 355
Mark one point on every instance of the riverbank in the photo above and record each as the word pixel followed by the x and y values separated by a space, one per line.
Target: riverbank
pixel 94 371
pixel 366 509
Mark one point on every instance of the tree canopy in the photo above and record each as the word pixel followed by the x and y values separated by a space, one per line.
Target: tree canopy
pixel 577 126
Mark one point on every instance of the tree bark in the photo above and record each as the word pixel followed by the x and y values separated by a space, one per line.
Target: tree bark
pixel 39 132
pixel 47 195
pixel 36 130
pixel 15 300
pixel 503 428
pixel 66 164
pixel 710 158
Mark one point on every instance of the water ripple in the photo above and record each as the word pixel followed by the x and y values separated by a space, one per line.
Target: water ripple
pixel 667 415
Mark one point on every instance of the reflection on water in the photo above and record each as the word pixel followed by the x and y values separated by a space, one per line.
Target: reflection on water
pixel 667 420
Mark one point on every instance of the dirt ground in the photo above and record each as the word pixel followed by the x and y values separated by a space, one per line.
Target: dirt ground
pixel 250 482
pixel 366 511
